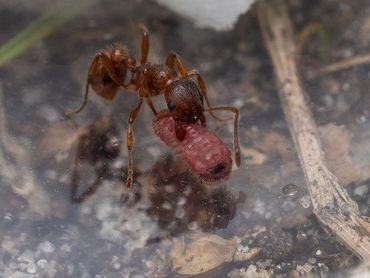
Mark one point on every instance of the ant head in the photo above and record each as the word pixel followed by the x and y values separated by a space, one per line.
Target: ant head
pixel 184 101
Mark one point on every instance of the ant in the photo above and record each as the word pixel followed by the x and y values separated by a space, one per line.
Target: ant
pixel 113 68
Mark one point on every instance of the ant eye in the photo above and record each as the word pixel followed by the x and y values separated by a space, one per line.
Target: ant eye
pixel 171 105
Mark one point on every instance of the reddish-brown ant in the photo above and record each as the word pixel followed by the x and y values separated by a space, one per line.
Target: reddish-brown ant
pixel 113 69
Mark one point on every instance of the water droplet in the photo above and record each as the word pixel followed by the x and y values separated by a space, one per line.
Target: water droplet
pixel 290 190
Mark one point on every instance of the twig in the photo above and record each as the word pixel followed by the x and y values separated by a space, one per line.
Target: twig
pixel 331 204
pixel 342 65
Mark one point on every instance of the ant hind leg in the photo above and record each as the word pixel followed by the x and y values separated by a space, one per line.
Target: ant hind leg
pixel 101 64
pixel 236 129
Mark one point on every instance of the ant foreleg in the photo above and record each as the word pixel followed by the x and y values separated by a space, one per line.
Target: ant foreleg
pixel 236 129
pixel 203 91
pixel 130 142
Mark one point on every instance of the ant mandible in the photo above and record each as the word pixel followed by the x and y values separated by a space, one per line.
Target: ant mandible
pixel 113 68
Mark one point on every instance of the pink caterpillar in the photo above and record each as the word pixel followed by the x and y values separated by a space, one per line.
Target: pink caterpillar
pixel 205 154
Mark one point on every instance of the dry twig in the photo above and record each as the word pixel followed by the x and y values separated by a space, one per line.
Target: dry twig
pixel 331 204
pixel 342 65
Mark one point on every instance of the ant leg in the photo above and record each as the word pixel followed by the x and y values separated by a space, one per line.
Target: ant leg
pixel 174 59
pixel 203 91
pixel 146 94
pixel 144 44
pixel 100 58
pixel 236 129
pixel 151 105
pixel 130 142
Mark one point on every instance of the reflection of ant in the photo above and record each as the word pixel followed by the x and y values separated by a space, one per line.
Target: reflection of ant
pixel 97 147
pixel 112 69
pixel 180 202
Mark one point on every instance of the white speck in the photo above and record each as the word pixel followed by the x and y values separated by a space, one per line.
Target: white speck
pixel 47 247
pixel 27 256
pixel 305 201
pixel 181 201
pixel 259 207
pixel 48 113
pixel 65 248
pixel 361 190
pixel 70 269
pixel 193 226
pixel 31 268
pixel 42 263
pixel 346 86
pixel 180 212
pixel 238 102
pixel 50 174
pixel 318 253
pixel 115 263
pixel 104 210
pixel 8 217
pixel 166 205
pixel 61 156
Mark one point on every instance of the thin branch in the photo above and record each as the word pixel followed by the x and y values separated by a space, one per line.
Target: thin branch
pixel 331 203
pixel 342 65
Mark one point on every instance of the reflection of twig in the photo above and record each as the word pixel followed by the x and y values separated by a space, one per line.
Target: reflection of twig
pixel 331 204
pixel 344 64
pixel 14 168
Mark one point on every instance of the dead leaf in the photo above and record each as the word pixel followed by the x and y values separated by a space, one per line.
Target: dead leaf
pixel 202 254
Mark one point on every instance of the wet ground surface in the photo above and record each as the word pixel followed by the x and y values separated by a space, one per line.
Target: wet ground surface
pixel 258 221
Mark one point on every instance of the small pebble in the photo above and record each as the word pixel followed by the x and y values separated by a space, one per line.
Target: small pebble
pixel 31 268
pixel 27 256
pixel 47 247
pixel 42 263
pixel 361 190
